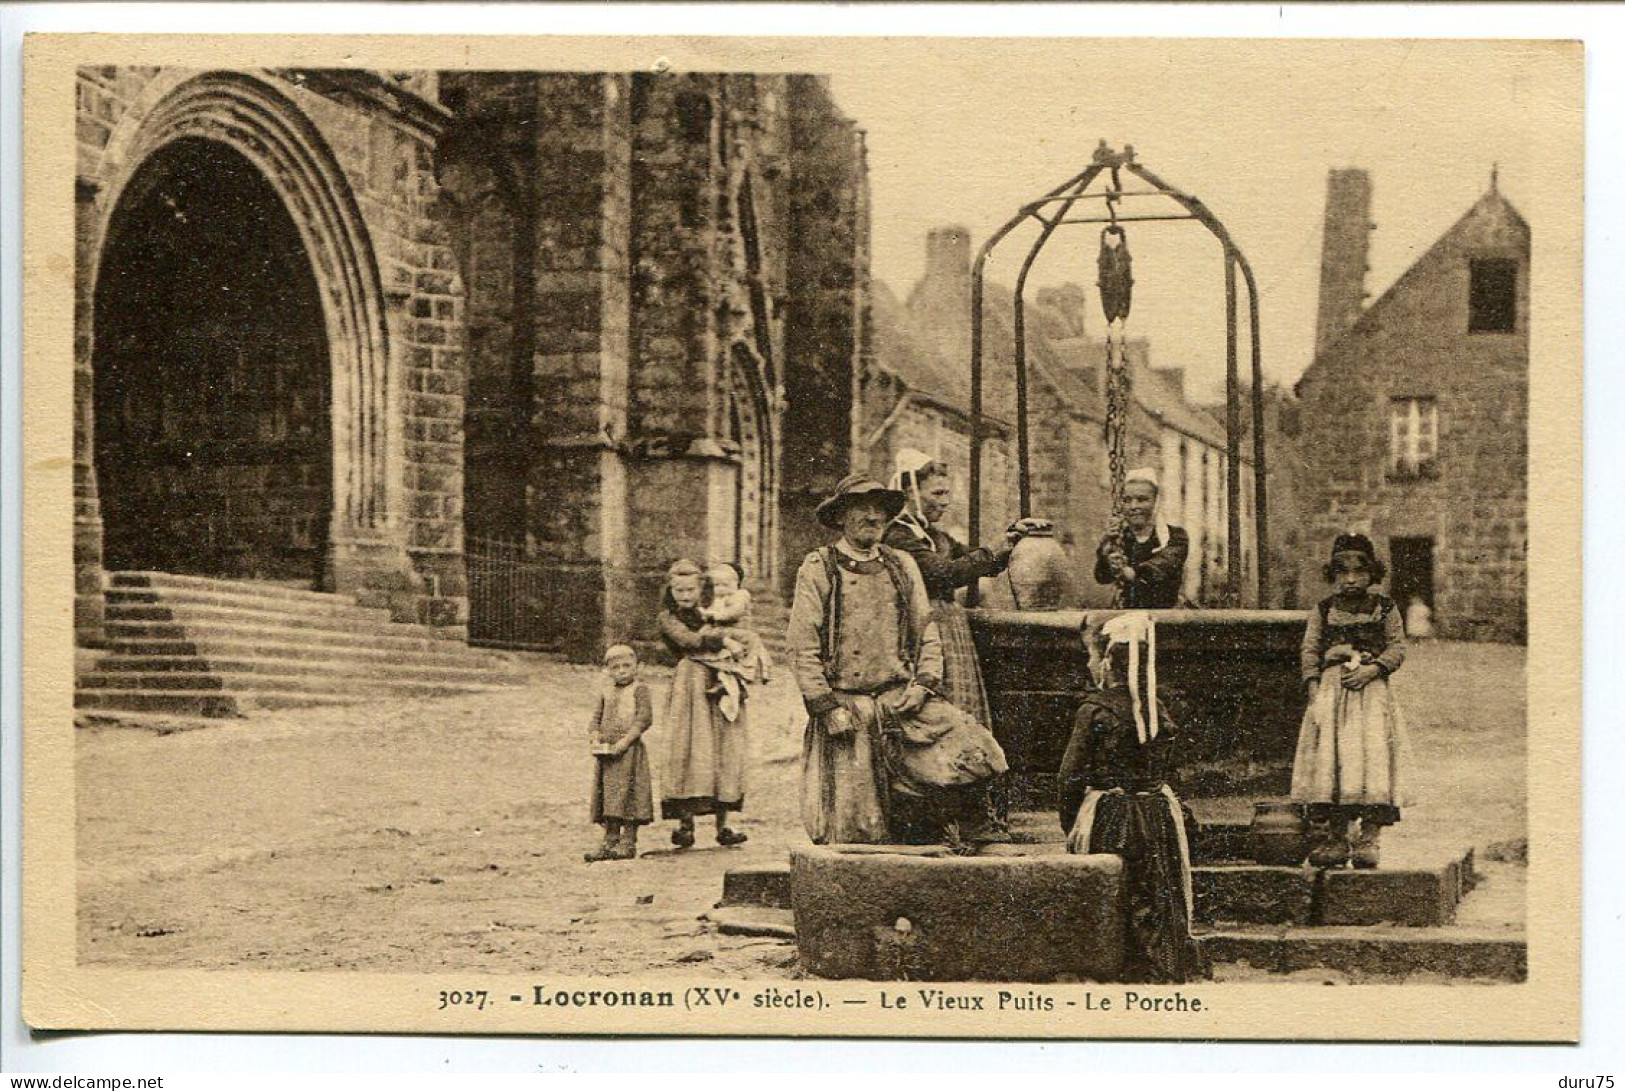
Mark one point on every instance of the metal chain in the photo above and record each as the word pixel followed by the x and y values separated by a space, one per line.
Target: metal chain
pixel 1117 393
pixel 1116 287
pixel 1116 292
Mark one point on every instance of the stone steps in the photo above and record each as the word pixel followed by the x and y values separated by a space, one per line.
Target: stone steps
pixel 209 584
pixel 215 705
pixel 1236 893
pixel 136 602
pixel 167 613
pixel 439 653
pixel 189 647
pixel 175 671
pixel 162 723
pixel 335 680
pixel 239 699
pixel 1362 954
pixel 1379 923
pixel 1374 952
pixel 123 636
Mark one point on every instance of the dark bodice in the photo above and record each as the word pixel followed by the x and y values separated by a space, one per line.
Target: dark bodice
pixel 1105 751
pixel 1365 636
pixel 1369 635
pixel 945 565
pixel 1159 568
pixel 1374 629
pixel 682 631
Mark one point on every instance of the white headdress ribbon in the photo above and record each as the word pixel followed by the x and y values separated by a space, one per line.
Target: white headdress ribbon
pixel 1133 629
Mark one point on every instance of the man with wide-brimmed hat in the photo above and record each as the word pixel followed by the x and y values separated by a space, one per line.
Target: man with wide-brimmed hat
pixel 867 657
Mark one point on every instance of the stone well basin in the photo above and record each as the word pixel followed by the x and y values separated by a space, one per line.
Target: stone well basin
pixel 1228 677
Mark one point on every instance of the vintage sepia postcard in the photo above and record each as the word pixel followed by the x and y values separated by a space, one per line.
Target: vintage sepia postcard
pixel 1009 538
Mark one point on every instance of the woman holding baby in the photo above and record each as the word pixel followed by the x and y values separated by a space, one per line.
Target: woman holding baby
pixel 706 711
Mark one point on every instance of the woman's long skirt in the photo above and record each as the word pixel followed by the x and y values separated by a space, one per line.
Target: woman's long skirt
pixel 705 751
pixel 962 681
pixel 622 789
pixel 1147 830
pixel 962 671
pixel 1353 749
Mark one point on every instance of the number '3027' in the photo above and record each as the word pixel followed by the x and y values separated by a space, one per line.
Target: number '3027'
pixel 463 998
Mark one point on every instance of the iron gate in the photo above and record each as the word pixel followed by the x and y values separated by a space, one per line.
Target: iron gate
pixel 510 596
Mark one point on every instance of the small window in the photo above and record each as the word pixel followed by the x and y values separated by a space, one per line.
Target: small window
pixel 1413 435
pixel 1492 298
pixel 694 117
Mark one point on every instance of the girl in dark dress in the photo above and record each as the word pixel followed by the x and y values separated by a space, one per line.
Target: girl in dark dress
pixel 1115 798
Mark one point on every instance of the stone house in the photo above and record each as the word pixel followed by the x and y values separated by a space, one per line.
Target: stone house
pixel 348 329
pixel 916 393
pixel 1414 413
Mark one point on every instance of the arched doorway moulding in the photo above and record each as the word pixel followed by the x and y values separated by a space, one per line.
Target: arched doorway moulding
pixel 755 431
pixel 253 118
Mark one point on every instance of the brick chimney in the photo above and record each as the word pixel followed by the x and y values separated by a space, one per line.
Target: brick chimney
pixel 1174 379
pixel 946 287
pixel 1344 254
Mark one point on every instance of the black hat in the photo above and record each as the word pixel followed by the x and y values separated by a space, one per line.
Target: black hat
pixel 832 511
pixel 1354 543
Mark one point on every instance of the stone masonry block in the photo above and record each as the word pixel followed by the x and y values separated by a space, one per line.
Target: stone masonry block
pixel 1221 841
pixel 888 916
pixel 757 884
pixel 1253 894
pixel 1417 898
pixel 1360 953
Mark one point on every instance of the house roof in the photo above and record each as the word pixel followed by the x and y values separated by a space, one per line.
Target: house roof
pixel 925 342
pixel 1153 390
pixel 1491 204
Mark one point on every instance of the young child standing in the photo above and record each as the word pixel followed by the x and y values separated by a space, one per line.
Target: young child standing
pixel 622 794
pixel 1353 755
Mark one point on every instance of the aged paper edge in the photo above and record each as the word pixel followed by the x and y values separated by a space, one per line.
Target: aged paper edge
pixel 57 993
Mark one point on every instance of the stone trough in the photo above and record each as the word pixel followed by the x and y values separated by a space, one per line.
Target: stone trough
pixel 1028 911
pixel 895 916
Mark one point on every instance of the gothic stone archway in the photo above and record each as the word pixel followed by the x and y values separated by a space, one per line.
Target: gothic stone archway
pixel 212 412
pixel 245 127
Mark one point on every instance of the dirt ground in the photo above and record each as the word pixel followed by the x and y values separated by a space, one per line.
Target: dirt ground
pixel 414 836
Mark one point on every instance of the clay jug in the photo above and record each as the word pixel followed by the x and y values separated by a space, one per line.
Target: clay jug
pixel 1038 572
pixel 1278 835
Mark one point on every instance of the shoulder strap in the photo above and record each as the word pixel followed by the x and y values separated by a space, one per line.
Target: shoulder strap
pixel 832 611
pixel 908 639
